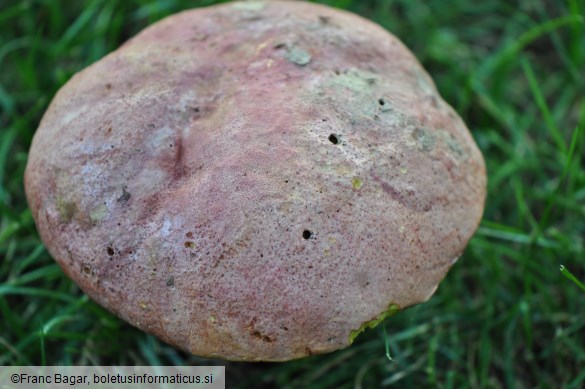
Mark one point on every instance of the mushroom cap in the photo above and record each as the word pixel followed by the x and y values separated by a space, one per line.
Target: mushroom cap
pixel 255 180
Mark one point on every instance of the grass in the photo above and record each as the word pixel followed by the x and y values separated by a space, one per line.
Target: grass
pixel 570 276
pixel 505 316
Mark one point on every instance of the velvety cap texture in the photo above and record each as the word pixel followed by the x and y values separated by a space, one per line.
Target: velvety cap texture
pixel 255 180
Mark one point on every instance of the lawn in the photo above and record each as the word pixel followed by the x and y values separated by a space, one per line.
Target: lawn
pixel 505 315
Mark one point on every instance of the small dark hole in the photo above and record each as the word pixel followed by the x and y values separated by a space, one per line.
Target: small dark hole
pixel 307 234
pixel 110 251
pixel 333 139
pixel 381 101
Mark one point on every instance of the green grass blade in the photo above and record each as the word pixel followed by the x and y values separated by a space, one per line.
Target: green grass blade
pixel 570 276
pixel 553 198
pixel 537 93
pixel 386 343
pixel 42 343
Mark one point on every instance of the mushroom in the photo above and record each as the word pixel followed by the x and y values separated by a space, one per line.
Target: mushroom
pixel 255 180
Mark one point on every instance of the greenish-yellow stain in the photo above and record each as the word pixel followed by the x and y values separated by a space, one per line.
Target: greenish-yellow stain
pixel 425 138
pixel 66 209
pixel 98 213
pixel 171 281
pixel 357 183
pixel 355 80
pixel 298 56
pixel 392 309
pixel 249 5
pixel 452 142
pixel 362 100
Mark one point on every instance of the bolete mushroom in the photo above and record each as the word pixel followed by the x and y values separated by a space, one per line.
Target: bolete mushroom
pixel 255 180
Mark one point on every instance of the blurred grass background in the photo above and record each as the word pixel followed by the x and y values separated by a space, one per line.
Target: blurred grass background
pixel 505 316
